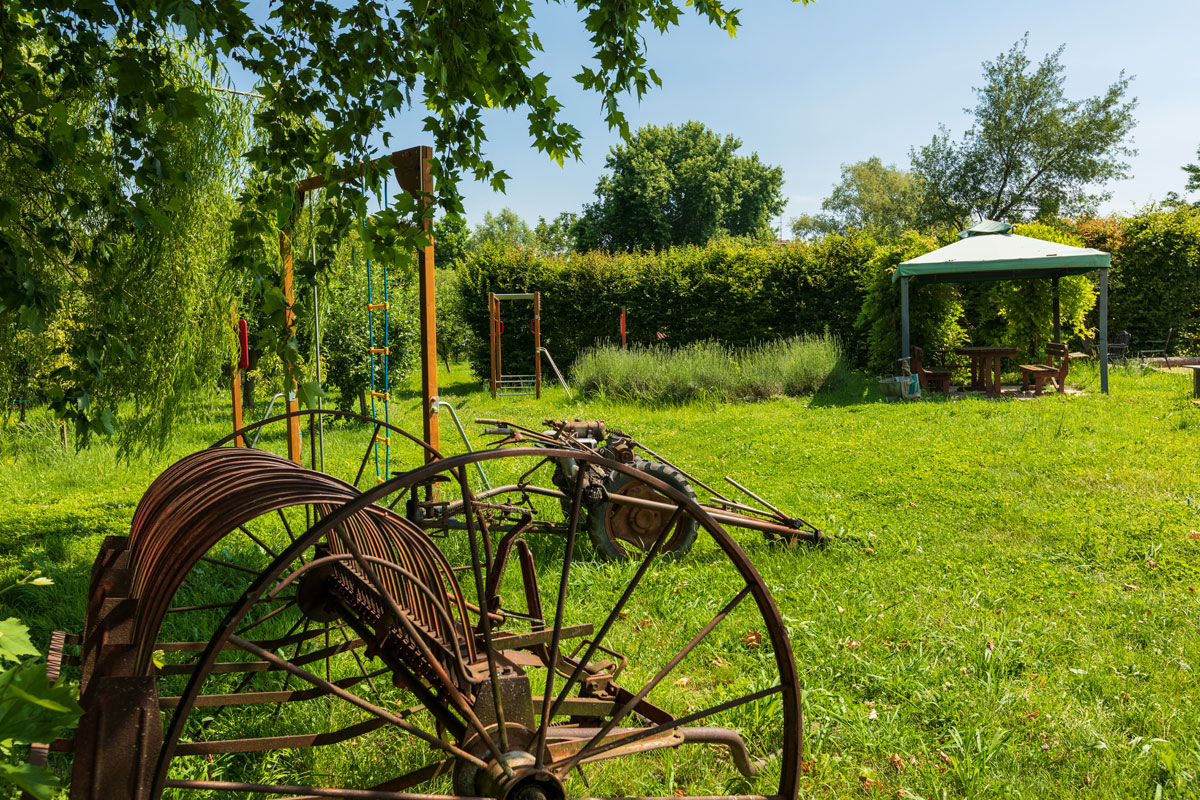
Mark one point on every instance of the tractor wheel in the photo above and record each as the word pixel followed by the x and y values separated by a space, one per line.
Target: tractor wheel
pixel 620 531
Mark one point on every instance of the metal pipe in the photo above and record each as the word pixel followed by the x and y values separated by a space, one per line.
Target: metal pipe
pixel 435 405
pixel 556 371
pixel 270 405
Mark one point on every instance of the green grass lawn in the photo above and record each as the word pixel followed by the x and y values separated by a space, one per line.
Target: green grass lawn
pixel 1010 607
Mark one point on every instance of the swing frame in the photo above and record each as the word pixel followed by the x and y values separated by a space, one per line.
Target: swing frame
pixel 499 381
pixel 411 168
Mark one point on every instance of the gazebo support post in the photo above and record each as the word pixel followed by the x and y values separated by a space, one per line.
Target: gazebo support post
pixel 905 340
pixel 1103 337
pixel 1057 315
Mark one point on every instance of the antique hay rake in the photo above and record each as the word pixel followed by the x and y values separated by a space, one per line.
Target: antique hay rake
pixel 271 630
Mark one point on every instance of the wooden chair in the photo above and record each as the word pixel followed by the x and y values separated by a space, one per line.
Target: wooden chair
pixel 935 379
pixel 1041 374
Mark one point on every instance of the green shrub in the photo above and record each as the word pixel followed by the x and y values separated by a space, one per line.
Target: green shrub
pixel 730 290
pixel 935 309
pixel 709 370
pixel 1154 283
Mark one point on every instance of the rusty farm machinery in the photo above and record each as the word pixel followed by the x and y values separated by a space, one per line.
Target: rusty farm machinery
pixel 268 630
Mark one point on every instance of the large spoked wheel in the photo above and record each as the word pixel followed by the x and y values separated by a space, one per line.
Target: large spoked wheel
pixel 459 677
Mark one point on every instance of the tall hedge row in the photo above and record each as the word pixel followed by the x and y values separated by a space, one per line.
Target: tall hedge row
pixel 741 293
pixel 728 290
pixel 1154 283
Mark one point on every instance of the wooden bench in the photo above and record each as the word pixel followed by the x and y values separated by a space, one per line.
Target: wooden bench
pixel 1041 374
pixel 935 379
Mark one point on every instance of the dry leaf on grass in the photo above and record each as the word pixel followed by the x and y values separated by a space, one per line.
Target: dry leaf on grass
pixel 853 644
pixel 752 639
pixel 873 715
pixel 719 662
pixel 1194 535
pixel 1129 587
pixel 897 762
pixel 683 682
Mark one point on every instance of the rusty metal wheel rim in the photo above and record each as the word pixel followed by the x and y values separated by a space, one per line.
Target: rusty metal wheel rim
pixel 343 512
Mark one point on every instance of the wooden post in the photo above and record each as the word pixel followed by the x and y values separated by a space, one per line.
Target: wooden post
pixel 1057 316
pixel 623 327
pixel 537 345
pixel 493 334
pixel 235 384
pixel 291 399
pixel 413 175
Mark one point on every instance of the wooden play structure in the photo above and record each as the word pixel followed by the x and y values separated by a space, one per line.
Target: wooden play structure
pixel 509 384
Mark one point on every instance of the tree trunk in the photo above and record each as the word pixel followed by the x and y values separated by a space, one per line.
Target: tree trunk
pixel 362 402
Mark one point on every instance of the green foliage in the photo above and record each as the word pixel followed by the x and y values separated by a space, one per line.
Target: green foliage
pixel 504 228
pixel 801 365
pixel 96 129
pixel 112 254
pixel 935 309
pixel 454 337
pixel 558 235
pixel 1193 173
pixel 881 199
pixel 732 291
pixel 679 185
pixel 1031 152
pixel 345 338
pixel 1155 276
pixel 452 240
pixel 1027 307
pixel 31 710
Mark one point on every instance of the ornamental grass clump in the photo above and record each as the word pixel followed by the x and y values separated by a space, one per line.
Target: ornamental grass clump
pixel 711 371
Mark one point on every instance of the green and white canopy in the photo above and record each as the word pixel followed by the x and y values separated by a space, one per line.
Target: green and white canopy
pixel 990 251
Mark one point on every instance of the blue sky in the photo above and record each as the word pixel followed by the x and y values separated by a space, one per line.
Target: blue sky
pixel 813 87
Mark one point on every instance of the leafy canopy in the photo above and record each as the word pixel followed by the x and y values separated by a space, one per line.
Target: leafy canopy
pixel 332 76
pixel 870 196
pixel 679 185
pixel 1031 152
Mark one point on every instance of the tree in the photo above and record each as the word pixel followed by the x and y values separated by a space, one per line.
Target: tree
pixel 558 235
pixel 1193 173
pixel 452 240
pixel 679 185
pixel 505 228
pixel 871 196
pixel 1031 152
pixel 92 119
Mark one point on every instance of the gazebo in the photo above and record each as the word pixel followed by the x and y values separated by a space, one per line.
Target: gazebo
pixel 990 251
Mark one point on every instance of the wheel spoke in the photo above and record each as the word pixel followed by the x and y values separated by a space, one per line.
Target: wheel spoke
pixel 616 612
pixel 485 617
pixel 632 703
pixel 354 699
pixel 559 609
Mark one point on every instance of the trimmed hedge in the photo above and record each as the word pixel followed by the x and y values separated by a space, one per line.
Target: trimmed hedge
pixel 1154 283
pixel 730 291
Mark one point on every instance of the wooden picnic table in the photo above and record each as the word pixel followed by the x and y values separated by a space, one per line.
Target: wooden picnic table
pixel 985 366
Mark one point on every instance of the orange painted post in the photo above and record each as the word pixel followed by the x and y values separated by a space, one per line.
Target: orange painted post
pixel 622 327
pixel 289 384
pixel 413 175
pixel 492 334
pixel 235 384
pixel 537 345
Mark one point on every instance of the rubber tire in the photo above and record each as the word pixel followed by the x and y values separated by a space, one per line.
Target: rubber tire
pixel 616 482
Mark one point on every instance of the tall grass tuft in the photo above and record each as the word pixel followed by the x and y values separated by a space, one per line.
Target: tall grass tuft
pixel 710 370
